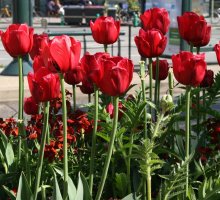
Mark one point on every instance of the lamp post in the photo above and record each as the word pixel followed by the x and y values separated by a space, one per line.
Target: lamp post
pixel 186 6
pixel 22 13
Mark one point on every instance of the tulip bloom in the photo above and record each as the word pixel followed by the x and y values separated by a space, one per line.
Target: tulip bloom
pixel 194 29
pixel 39 42
pixel 18 39
pixel 157 18
pixel 217 51
pixel 163 69
pixel 208 79
pixel 38 62
pixel 86 87
pixel 44 85
pixel 91 65
pixel 30 106
pixel 62 54
pixel 189 69
pixel 105 30
pixel 117 76
pixel 74 76
pixel 150 43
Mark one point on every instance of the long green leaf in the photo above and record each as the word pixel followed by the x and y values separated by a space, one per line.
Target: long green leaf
pixel 56 189
pixel 87 195
pixel 71 189
pixel 24 190
pixel 9 154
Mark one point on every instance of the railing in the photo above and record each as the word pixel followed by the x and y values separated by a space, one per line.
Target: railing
pixel 83 34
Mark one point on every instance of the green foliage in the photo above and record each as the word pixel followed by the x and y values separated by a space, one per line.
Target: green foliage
pixel 145 157
pixel 121 184
pixel 174 184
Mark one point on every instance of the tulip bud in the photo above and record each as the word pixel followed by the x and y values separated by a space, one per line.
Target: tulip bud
pixel 166 103
pixel 30 106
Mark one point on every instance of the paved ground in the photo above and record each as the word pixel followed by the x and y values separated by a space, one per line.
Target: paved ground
pixel 9 84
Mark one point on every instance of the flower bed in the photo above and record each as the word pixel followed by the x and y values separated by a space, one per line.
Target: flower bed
pixel 140 146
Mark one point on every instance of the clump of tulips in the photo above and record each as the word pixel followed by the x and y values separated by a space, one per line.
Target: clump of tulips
pixel 137 146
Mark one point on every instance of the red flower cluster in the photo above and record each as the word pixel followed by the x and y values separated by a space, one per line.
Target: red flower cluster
pixel 9 127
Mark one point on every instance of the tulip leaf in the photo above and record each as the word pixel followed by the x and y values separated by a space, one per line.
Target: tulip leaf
pixel 71 189
pixel 82 192
pixel 10 193
pixel 4 139
pixel 24 190
pixel 79 192
pixel 9 154
pixel 56 189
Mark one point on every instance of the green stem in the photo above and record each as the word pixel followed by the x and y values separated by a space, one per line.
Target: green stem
pixel 204 104
pixel 106 48
pixel 158 93
pixel 143 89
pixel 198 114
pixel 109 153
pixel 148 182
pixel 74 98
pixel 43 193
pixel 21 128
pixel 129 161
pixel 170 79
pixel 20 105
pixel 48 135
pixel 187 142
pixel 198 105
pixel 65 159
pixel 93 150
pixel 156 84
pixel 42 147
pixel 150 82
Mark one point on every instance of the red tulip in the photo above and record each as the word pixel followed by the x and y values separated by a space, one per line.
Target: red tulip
pixel 217 51
pixel 30 106
pixel 208 79
pixel 74 76
pixel 157 18
pixel 163 69
pixel 87 87
pixel 39 43
pixel 91 65
pixel 117 76
pixel 189 69
pixel 194 29
pixel 150 43
pixel 44 85
pixel 105 30
pixel 38 62
pixel 18 39
pixel 62 54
